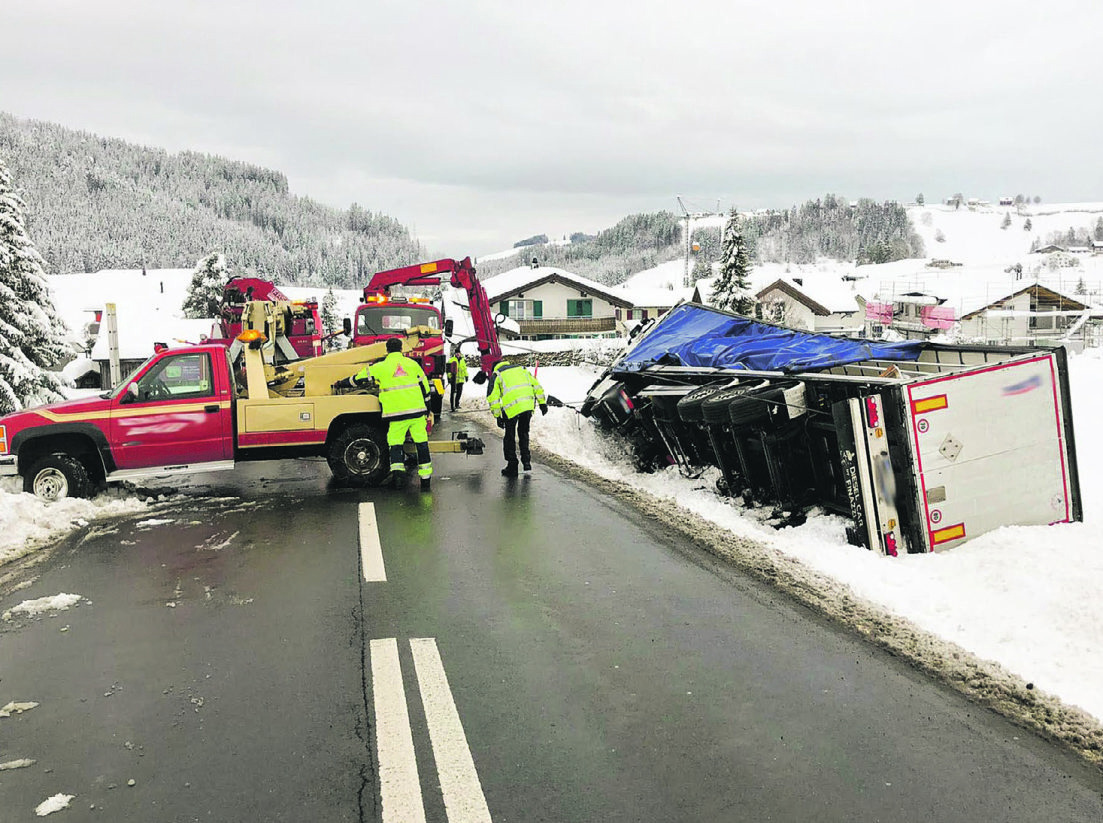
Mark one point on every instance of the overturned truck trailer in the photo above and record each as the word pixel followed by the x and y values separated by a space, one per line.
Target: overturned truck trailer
pixel 922 446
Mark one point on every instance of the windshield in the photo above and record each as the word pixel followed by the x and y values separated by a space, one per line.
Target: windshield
pixel 394 318
pixel 118 390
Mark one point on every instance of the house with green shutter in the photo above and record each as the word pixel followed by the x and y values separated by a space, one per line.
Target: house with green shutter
pixel 548 302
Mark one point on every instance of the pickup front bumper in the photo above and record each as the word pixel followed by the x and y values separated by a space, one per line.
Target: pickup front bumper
pixel 7 465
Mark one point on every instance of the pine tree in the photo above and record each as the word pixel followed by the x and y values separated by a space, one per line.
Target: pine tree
pixel 32 335
pixel 329 313
pixel 1006 222
pixel 733 287
pixel 1027 225
pixel 205 290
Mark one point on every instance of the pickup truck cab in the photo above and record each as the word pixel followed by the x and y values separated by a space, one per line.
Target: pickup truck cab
pixel 173 416
pixel 188 410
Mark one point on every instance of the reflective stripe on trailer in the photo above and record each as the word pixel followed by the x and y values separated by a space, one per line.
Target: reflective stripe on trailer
pixel 928 404
pixel 956 532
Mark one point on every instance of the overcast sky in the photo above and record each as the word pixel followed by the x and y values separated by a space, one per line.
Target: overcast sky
pixel 480 123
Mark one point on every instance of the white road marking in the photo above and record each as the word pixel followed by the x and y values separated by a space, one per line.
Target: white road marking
pixel 371 553
pixel 399 786
pixel 463 794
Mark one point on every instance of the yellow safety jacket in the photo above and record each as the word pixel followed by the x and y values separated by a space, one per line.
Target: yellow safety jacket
pixel 514 391
pixel 403 387
pixel 457 367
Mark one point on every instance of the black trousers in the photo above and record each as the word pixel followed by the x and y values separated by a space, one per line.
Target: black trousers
pixel 517 434
pixel 457 390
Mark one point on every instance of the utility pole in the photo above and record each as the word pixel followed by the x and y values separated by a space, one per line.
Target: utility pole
pixel 685 211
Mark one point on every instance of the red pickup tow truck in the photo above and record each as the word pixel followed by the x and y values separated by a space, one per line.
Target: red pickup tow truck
pixel 188 410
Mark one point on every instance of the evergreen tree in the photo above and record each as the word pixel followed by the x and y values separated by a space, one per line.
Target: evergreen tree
pixel 329 313
pixel 919 200
pixel 1027 225
pixel 205 290
pixel 32 335
pixel 1006 220
pixel 733 288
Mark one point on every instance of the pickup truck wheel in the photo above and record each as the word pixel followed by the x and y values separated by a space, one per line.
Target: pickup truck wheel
pixel 57 476
pixel 359 455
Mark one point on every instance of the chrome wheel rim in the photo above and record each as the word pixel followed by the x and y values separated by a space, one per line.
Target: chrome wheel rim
pixel 51 484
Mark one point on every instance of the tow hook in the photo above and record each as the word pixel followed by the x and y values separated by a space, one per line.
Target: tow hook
pixel 471 445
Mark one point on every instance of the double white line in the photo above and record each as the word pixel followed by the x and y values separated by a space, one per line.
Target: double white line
pixel 400 788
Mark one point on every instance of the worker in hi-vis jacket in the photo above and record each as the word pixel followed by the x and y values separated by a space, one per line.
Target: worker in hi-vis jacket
pixel 404 396
pixel 457 376
pixel 513 396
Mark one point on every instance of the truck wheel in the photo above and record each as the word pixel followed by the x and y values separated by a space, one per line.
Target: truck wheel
pixel 359 455
pixel 57 476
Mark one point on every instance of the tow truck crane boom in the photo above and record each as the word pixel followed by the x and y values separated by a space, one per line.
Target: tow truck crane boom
pixel 461 275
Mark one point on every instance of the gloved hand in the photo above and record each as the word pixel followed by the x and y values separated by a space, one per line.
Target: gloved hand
pixel 543 408
pixel 343 383
pixel 501 422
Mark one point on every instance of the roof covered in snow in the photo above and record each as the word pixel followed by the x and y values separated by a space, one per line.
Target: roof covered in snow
pixel 517 280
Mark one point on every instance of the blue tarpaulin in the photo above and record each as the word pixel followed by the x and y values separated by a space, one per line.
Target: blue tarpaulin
pixel 695 335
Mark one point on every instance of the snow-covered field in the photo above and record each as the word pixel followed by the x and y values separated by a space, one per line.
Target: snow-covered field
pixel 1027 599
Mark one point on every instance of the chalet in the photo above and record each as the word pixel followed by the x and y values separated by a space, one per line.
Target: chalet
pixel 1035 313
pixel 547 302
pixel 1049 249
pixel 818 305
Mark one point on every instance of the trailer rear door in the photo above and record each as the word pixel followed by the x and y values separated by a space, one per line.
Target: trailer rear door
pixel 991 450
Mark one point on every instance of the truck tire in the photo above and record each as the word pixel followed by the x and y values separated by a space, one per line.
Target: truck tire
pixel 714 408
pixel 57 476
pixel 360 456
pixel 689 407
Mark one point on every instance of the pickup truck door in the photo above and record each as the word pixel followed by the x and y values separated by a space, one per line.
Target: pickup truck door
pixel 177 412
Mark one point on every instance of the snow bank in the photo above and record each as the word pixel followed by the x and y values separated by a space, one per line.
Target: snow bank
pixel 27 523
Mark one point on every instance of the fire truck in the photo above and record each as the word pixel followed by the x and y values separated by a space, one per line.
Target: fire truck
pixel 208 407
pixel 382 314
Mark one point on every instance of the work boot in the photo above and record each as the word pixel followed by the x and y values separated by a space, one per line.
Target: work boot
pixel 425 484
pixel 527 466
pixel 510 470
pixel 398 479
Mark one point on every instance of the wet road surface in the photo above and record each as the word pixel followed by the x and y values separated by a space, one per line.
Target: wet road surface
pixel 270 647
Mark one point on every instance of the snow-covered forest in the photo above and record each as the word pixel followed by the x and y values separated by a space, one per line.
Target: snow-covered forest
pixel 830 227
pixel 100 203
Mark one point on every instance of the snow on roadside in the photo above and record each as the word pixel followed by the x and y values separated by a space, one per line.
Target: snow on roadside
pixel 52 603
pixel 28 523
pixel 53 804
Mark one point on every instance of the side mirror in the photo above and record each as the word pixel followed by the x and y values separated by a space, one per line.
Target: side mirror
pixel 448 326
pixel 346 327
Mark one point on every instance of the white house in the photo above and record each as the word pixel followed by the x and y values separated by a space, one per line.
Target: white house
pixel 1035 313
pixel 548 302
pixel 812 304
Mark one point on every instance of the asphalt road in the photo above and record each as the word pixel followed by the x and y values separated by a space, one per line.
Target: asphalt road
pixel 536 652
